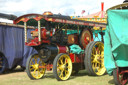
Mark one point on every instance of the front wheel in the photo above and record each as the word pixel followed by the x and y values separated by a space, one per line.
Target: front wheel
pixel 62 67
pixel 35 67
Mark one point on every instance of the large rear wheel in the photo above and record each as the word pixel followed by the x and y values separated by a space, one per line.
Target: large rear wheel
pixel 94 59
pixel 35 67
pixel 62 67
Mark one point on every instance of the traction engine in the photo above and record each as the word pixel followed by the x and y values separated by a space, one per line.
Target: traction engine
pixel 64 45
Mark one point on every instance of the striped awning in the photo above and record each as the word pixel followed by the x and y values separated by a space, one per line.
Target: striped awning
pixel 100 14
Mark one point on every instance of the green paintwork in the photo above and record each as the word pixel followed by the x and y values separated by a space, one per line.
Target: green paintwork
pixel 76 49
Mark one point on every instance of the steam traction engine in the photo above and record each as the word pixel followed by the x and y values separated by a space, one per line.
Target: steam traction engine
pixel 62 43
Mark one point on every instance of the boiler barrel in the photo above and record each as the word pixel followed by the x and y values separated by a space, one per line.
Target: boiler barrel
pixel 49 52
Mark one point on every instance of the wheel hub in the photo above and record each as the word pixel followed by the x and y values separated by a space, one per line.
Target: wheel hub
pixel 36 66
pixel 63 67
pixel 96 58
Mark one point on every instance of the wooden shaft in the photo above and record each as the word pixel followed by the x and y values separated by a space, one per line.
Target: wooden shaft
pixel 25 31
pixel 39 31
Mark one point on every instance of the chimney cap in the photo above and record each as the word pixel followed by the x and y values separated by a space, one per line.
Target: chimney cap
pixel 47 13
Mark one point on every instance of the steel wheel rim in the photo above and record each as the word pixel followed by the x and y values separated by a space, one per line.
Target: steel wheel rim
pixel 64 67
pixel 97 58
pixel 35 71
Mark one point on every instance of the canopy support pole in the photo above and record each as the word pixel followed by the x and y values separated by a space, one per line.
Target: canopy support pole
pixel 39 31
pixel 25 31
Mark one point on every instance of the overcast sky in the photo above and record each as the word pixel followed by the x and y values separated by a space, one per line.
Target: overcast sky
pixel 65 7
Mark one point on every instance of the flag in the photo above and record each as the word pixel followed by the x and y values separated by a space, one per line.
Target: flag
pixel 83 11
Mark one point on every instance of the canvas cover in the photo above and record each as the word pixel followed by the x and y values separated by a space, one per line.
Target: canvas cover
pixel 116 40
pixel 13 47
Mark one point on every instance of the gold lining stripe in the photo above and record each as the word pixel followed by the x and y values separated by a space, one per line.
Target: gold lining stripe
pixel 67 49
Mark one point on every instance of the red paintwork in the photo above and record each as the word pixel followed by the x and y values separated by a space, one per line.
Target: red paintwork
pixel 79 58
pixel 43 34
pixel 76 39
pixel 45 41
pixel 26 17
pixel 76 58
pixel 86 41
pixel 62 49
pixel 35 41
pixel 48 67
pixel 32 43
pixel 72 57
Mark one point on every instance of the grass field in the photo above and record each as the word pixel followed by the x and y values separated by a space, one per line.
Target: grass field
pixel 18 77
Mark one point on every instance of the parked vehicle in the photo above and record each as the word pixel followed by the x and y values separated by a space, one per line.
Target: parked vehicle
pixel 13 52
pixel 116 43
pixel 64 44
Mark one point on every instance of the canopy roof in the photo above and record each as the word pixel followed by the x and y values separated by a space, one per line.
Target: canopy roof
pixel 55 18
pixel 120 6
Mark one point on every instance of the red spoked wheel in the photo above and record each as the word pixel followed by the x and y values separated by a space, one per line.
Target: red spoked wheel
pixel 120 76
pixel 86 37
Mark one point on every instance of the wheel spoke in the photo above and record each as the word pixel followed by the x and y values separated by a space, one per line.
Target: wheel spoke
pixel 95 64
pixel 35 60
pixel 38 72
pixel 65 61
pixel 39 61
pixel 69 67
pixel 32 62
pixel 61 73
pixel 61 61
pixel 94 51
pixel 66 71
pixel 35 71
pixel 59 67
